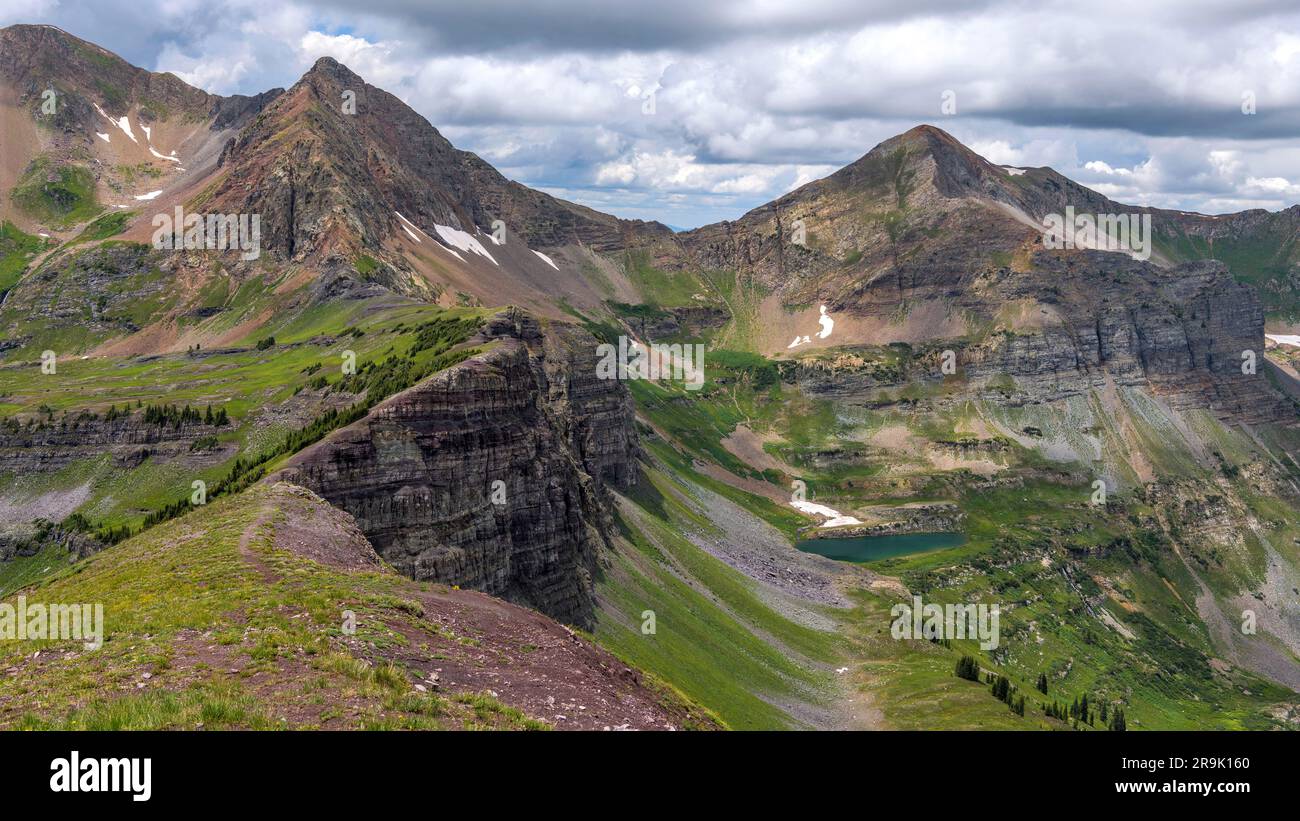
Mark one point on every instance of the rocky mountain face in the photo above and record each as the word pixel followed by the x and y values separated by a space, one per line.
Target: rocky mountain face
pixel 925 241
pixel 36 58
pixel 72 111
pixel 329 163
pixel 921 213
pixel 1194 336
pixel 490 475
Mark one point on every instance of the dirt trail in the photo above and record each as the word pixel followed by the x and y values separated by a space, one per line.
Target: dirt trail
pixel 246 550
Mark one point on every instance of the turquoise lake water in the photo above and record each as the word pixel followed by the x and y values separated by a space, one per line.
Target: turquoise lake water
pixel 871 548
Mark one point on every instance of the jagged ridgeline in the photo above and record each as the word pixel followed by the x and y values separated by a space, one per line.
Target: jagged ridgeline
pixel 396 406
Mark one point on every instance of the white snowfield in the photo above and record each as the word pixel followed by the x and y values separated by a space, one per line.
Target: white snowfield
pixel 833 517
pixel 453 237
pixel 465 242
pixel 1284 339
pixel 172 158
pixel 149 196
pixel 827 325
pixel 547 260
pixel 103 137
pixel 1015 172
pixel 123 123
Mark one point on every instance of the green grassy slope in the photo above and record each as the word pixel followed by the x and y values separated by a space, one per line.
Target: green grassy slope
pixel 299 366
pixel 210 625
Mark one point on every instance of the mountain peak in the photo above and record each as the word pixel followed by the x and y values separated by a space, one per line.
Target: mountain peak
pixel 925 130
pixel 332 71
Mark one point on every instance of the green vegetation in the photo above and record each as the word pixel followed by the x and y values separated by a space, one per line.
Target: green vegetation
pixel 366 265
pixel 109 225
pixel 16 252
pixel 1103 614
pixel 725 648
pixel 210 625
pixel 60 196
pixel 1266 257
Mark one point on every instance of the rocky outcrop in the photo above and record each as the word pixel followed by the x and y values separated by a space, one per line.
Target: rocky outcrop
pixel 1190 332
pixel 491 474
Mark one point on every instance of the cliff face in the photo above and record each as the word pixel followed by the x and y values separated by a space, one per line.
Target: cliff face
pixel 1185 331
pixel 420 473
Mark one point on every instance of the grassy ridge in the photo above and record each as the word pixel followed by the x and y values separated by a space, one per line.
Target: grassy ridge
pixel 198 636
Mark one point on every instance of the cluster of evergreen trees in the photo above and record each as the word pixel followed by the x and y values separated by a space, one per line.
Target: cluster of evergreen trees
pixel 1005 691
pixel 968 668
pixel 1080 710
pixel 170 415
pixel 1117 722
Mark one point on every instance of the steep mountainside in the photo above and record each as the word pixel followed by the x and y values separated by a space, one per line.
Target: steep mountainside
pixel 420 473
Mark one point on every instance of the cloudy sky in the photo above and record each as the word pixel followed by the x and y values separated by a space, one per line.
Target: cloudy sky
pixel 692 111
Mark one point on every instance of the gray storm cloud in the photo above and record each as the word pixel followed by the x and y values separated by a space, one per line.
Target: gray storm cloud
pixel 690 112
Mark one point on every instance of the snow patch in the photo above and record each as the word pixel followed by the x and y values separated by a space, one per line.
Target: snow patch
pixel 833 517
pixel 1284 339
pixel 462 241
pixel 149 196
pixel 547 260
pixel 1015 172
pixel 827 324
pixel 405 223
pixel 123 123
pixel 172 158
pixel 103 137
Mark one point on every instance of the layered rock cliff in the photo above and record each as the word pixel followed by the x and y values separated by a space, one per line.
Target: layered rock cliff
pixel 490 474
pixel 1191 333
